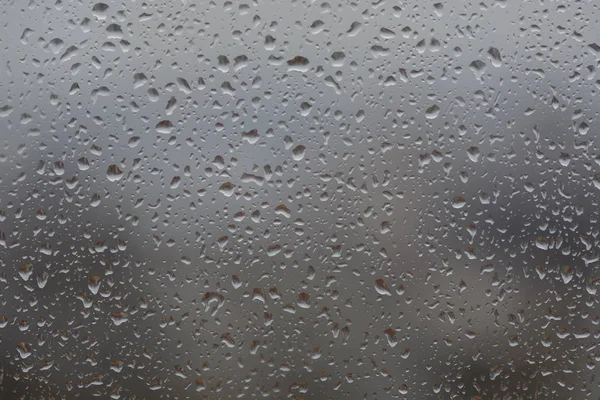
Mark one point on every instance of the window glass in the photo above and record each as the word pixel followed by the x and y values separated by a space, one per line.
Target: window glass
pixel 299 200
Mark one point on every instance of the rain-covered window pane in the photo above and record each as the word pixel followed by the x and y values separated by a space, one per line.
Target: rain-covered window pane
pixel 299 199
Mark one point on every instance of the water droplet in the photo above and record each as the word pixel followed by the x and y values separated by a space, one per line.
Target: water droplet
pixel 432 112
pixel 382 288
pixel 459 202
pixel 114 173
pixel 94 284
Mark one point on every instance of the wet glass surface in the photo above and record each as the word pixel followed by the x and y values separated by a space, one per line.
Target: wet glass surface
pixel 299 200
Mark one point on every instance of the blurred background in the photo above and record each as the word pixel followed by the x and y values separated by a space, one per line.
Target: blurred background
pixel 306 200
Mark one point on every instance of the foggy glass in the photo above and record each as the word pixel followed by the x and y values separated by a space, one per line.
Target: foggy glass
pixel 299 200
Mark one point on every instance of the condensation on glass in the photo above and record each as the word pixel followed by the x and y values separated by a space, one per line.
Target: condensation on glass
pixel 299 199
